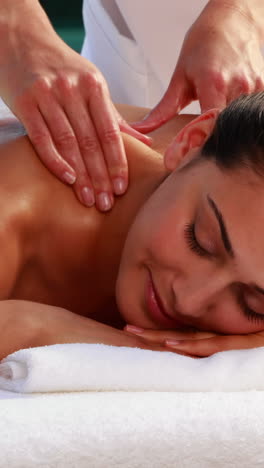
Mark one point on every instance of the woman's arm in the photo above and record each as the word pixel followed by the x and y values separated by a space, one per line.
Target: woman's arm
pixel 25 324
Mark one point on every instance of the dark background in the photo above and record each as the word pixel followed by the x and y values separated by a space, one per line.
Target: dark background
pixel 66 17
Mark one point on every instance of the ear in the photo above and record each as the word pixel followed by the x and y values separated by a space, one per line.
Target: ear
pixel 186 144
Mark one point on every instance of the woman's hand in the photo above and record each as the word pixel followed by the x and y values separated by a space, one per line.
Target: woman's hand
pixel 220 59
pixel 196 343
pixel 64 103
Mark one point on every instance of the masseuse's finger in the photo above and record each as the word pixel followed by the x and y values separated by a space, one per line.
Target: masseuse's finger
pixel 107 124
pixel 175 98
pixel 259 83
pixel 239 84
pixel 92 159
pixel 111 149
pixel 40 137
pixel 208 346
pixel 83 144
pixel 126 128
pixel 65 141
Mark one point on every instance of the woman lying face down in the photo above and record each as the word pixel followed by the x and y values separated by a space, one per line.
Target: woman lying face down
pixel 179 251
pixel 194 255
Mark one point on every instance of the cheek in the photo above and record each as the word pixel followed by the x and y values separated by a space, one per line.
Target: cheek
pixel 156 238
pixel 158 233
pixel 227 318
pixel 166 241
pixel 159 227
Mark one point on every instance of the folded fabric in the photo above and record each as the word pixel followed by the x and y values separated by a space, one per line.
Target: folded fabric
pixel 98 367
pixel 132 430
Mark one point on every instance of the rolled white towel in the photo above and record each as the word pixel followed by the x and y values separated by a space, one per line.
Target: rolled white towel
pixel 98 367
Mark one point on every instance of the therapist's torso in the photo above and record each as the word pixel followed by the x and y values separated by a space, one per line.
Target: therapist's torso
pixel 136 44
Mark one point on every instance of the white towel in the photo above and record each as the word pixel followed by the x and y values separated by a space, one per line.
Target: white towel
pixel 98 367
pixel 133 430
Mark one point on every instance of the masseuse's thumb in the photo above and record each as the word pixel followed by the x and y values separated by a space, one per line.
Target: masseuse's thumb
pixel 174 100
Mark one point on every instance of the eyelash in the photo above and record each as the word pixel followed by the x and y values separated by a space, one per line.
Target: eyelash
pixel 250 314
pixel 189 232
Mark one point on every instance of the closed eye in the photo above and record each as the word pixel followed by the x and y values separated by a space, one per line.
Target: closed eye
pixel 189 232
pixel 250 314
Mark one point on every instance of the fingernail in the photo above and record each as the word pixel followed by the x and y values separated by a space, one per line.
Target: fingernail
pixel 140 122
pixel 174 342
pixel 69 177
pixel 104 201
pixel 88 196
pixel 149 141
pixel 144 138
pixel 119 185
pixel 133 329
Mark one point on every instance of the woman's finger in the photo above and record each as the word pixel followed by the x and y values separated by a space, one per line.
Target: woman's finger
pixel 160 336
pixel 208 346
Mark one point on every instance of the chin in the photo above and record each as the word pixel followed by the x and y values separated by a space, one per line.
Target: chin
pixel 128 294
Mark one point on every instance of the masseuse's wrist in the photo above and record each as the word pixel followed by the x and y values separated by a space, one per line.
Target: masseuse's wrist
pixel 247 12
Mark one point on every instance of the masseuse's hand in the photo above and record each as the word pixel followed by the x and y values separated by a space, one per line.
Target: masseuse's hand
pixel 220 59
pixel 64 103
pixel 197 343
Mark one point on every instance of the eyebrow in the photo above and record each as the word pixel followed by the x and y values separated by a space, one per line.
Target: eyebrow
pixel 224 234
pixel 225 237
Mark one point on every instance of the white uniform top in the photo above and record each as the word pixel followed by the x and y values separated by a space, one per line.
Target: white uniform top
pixel 136 43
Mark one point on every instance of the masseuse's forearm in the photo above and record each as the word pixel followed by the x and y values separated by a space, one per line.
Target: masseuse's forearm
pixel 252 11
pixel 20 22
pixel 24 15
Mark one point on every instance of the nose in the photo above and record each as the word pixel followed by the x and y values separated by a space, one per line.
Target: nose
pixel 194 297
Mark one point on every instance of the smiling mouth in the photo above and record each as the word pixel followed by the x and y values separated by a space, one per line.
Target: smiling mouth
pixel 156 309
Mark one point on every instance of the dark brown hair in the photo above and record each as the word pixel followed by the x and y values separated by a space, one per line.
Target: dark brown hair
pixel 238 136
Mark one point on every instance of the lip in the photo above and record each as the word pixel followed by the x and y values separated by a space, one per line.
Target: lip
pixel 156 309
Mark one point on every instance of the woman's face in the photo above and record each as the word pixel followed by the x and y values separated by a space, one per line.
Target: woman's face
pixel 194 256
